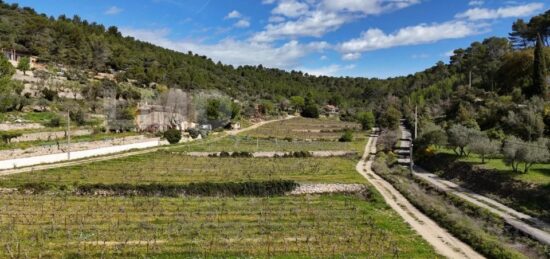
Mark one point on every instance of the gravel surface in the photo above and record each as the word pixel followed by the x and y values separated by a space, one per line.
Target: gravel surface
pixel 327 188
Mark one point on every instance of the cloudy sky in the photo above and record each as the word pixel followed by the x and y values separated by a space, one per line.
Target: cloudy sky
pixel 368 38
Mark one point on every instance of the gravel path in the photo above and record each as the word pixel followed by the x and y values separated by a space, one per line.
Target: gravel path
pixel 443 242
pixel 327 188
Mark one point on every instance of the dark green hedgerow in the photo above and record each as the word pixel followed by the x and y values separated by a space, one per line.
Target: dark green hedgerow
pixel 267 188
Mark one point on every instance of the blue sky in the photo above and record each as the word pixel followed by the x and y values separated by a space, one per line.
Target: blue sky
pixel 367 38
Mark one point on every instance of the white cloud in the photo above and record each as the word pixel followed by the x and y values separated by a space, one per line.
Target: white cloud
pixel 374 39
pixel 315 18
pixel 323 57
pixel 113 10
pixel 420 56
pixel 268 1
pixel 314 24
pixel 291 8
pixel 242 23
pixel 233 15
pixel 276 19
pixel 367 6
pixel 503 12
pixel 331 70
pixel 351 56
pixel 231 51
pixel 476 2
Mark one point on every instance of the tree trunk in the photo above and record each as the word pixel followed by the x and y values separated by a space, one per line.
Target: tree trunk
pixel 527 166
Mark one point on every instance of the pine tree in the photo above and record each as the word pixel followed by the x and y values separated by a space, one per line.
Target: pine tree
pixel 539 71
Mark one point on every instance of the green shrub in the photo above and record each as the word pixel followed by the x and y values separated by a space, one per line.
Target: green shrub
pixel 7 136
pixel 194 133
pixel 78 116
pixel 260 189
pixel 346 137
pixel 173 136
pixel 54 122
pixel 310 111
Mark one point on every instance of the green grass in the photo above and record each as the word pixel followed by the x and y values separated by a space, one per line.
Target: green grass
pixel 250 144
pixel 538 173
pixel 163 167
pixel 74 139
pixel 304 128
pixel 281 227
pixel 35 117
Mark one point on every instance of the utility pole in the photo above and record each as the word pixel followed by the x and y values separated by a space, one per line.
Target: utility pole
pixel 412 138
pixel 470 80
pixel 69 135
pixel 415 122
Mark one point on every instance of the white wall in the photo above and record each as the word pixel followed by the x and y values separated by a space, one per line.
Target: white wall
pixel 53 158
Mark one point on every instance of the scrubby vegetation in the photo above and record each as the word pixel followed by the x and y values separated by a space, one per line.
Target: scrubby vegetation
pixel 173 136
pixel 482 230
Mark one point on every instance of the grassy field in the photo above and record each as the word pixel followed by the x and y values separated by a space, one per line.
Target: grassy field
pixel 162 167
pixel 60 224
pixel 281 227
pixel 304 128
pixel 251 144
pixel 36 117
pixel 74 139
pixel 538 174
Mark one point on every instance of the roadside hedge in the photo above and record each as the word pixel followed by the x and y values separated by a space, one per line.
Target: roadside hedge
pixel 260 189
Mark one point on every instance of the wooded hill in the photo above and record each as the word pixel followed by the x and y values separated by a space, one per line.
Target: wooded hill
pixel 497 68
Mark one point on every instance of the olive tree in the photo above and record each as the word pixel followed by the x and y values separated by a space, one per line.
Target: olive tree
pixel 533 153
pixel 460 137
pixel 483 146
pixel 517 151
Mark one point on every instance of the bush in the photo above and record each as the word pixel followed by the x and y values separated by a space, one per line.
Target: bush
pixel 346 137
pixel 78 117
pixel 173 136
pixel 7 136
pixel 366 119
pixel 194 133
pixel 297 154
pixel 54 122
pixel 310 111
pixel 49 94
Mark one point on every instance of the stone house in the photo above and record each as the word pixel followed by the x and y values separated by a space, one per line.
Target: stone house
pixel 159 118
pixel 14 57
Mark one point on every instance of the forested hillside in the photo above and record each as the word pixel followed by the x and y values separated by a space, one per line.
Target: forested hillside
pixel 501 70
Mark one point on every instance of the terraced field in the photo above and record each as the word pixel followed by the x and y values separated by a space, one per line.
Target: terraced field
pixel 59 222
pixel 162 167
pixel 281 227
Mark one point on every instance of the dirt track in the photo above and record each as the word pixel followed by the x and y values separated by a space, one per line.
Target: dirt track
pixel 442 241
pixel 531 226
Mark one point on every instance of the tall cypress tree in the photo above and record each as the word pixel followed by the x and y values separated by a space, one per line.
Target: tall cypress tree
pixel 539 71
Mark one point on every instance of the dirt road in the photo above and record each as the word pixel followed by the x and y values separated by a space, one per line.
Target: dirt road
pixel 531 226
pixel 442 241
